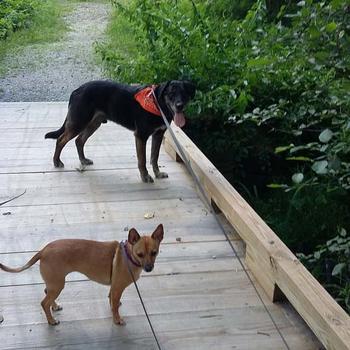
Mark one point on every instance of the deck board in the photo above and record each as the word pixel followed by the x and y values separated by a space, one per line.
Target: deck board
pixel 198 296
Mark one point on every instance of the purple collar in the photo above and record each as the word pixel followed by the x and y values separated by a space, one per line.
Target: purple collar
pixel 126 251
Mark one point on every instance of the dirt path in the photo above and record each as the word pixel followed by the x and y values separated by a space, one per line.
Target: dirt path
pixel 49 72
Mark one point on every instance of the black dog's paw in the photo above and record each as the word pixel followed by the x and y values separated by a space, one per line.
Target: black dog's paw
pixel 58 164
pixel 86 161
pixel 161 175
pixel 147 178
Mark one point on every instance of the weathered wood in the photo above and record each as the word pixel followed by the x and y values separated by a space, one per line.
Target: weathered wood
pixel 271 262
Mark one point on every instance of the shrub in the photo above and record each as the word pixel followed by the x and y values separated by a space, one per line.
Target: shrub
pixel 330 263
pixel 15 15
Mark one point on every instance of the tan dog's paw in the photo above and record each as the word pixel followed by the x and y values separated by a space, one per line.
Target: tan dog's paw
pixel 54 322
pixel 119 321
pixel 57 307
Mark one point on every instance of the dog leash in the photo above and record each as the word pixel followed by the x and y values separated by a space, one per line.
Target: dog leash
pixel 125 255
pixel 212 211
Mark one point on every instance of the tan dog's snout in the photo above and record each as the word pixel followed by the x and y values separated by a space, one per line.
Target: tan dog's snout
pixel 148 267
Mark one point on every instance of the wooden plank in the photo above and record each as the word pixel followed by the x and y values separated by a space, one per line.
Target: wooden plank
pixel 75 187
pixel 164 266
pixel 188 291
pixel 168 262
pixel 31 237
pixel 33 137
pixel 324 316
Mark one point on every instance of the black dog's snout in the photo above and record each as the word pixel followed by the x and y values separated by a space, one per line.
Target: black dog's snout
pixel 179 105
pixel 148 267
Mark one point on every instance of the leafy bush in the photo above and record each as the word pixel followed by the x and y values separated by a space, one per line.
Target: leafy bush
pixel 273 101
pixel 330 263
pixel 15 14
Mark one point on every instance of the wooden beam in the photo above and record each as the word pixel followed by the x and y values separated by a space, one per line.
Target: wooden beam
pixel 273 265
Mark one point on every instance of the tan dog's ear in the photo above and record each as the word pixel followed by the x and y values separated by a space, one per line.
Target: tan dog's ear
pixel 158 233
pixel 133 236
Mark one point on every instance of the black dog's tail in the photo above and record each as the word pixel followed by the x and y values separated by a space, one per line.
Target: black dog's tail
pixel 56 134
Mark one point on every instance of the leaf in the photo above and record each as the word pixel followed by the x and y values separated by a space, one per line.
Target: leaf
pixel 325 135
pixel 298 178
pixel 283 148
pixel 342 232
pixel 301 158
pixel 149 215
pixel 259 62
pixel 331 27
pixel 338 268
pixel 320 167
pixel 277 186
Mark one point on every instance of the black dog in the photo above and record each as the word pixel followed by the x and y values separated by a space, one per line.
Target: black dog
pixel 128 105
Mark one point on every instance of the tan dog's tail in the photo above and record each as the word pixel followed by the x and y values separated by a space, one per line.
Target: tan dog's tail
pixel 31 262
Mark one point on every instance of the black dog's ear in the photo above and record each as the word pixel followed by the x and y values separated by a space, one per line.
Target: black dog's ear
pixel 190 88
pixel 162 88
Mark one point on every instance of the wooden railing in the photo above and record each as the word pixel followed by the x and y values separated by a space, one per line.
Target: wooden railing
pixel 273 265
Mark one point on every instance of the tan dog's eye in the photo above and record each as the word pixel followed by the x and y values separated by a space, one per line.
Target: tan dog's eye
pixel 140 255
pixel 154 253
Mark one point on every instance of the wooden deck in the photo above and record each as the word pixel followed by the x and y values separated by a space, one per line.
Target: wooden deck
pixel 198 296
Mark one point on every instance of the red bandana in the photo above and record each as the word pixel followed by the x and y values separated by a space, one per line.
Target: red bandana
pixel 146 100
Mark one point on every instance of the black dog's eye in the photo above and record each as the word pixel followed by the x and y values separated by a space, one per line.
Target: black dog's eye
pixel 140 255
pixel 154 253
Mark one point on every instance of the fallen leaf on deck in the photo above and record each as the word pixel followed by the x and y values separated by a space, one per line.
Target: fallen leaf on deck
pixel 149 215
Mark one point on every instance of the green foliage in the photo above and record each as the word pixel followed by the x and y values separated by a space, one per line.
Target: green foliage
pixel 330 263
pixel 15 15
pixel 273 101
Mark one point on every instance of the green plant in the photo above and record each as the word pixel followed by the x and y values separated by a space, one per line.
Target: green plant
pixel 15 15
pixel 330 263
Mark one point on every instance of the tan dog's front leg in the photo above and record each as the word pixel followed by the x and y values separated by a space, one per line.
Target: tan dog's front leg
pixel 115 296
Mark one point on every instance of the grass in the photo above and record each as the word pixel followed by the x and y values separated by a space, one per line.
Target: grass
pixel 47 26
pixel 120 38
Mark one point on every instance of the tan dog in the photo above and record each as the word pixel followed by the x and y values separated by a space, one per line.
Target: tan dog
pixel 104 262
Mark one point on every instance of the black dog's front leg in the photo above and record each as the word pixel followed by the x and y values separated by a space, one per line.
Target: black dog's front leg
pixel 141 159
pixel 157 138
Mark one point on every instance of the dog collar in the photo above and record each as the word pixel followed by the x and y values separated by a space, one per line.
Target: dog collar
pixel 128 255
pixel 146 100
